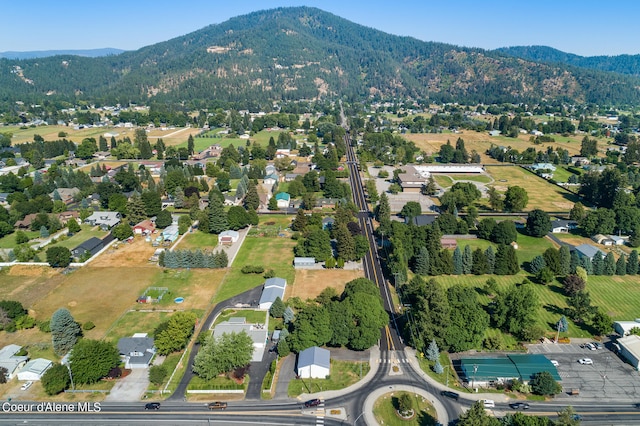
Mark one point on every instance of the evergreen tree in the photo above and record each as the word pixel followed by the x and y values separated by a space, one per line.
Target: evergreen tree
pixel 438 368
pixel 506 261
pixel 422 263
pixel 609 267
pixel 383 213
pixel 479 262
pixel 491 260
pixel 467 260
pixel 587 265
pixel 632 263
pixel 65 331
pixel 565 260
pixel 598 264
pixel 217 217
pixel 44 232
pixel 458 267
pixel 135 209
pixel 621 266
pixel 277 308
pixel 222 259
pixel 574 262
pixel 273 204
pixel 345 243
pixel 537 264
pixel 190 145
pixel 433 353
pixel 252 199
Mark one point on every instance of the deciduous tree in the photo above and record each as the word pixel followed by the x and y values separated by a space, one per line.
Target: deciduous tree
pixel 92 360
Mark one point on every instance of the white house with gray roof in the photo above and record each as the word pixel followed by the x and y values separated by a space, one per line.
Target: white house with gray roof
pixel 314 363
pixel 35 369
pixel 105 220
pixel 272 289
pixel 137 351
pixel 259 334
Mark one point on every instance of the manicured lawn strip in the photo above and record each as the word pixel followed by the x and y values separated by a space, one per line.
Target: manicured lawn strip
pixel 542 194
pixel 181 368
pixel 170 363
pixel 270 220
pixel 385 411
pixel 218 383
pixel 427 367
pixel 251 316
pixel 561 174
pixel 468 177
pixel 270 252
pixel 443 180
pixel 200 143
pixel 136 322
pixel 528 247
pixel 199 240
pixel 342 374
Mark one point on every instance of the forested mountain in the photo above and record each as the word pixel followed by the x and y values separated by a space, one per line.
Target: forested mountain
pixel 623 64
pixel 91 53
pixel 302 53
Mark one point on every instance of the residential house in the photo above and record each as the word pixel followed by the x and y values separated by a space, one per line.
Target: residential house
pixel 314 363
pixel 92 246
pixel 259 334
pixel 577 160
pixel 106 220
pixel 559 226
pixel 494 133
pixel 26 222
pixel 272 289
pixel 282 200
pixel 281 153
pixel 11 361
pixel 66 194
pixel 542 167
pixel 65 217
pixel 210 152
pixel 589 251
pixel 270 179
pixel 137 351
pixel 304 262
pixel 145 227
pixel 289 177
pixel 3 198
pixel 35 369
pixel 270 169
pixel 231 200
pixel 228 237
pixel 423 219
pixel 102 155
pixel 329 203
pixel 327 223
pixel 619 240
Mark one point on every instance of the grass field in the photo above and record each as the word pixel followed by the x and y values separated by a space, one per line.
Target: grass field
pixel 77 239
pixel 562 174
pixel 384 410
pixel 252 316
pixel 542 194
pixel 310 282
pixel 271 252
pixel 198 240
pixel 136 322
pixel 528 247
pixel 9 240
pixel 341 375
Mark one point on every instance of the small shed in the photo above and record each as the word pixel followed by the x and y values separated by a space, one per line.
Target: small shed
pixel 448 243
pixel 170 233
pixel 273 288
pixel 304 262
pixel 282 200
pixel 34 369
pixel 314 363
pixel 228 237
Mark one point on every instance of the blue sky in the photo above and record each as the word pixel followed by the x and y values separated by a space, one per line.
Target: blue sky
pixel 583 27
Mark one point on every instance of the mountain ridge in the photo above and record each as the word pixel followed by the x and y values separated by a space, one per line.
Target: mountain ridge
pixel 304 53
pixel 33 54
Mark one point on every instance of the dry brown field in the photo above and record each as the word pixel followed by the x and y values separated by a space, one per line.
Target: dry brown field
pixel 309 283
pixel 481 141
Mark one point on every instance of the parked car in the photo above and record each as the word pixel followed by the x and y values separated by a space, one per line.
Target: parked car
pixel 450 394
pixel 586 361
pixel 488 403
pixel 152 406
pixel 312 403
pixel 217 405
pixel 597 345
pixel 555 363
pixel 519 406
pixel 26 385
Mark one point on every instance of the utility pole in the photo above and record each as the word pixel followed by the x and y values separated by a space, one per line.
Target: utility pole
pixel 70 376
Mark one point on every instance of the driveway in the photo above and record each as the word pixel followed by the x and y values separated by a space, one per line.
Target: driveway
pixel 131 387
pixel 285 375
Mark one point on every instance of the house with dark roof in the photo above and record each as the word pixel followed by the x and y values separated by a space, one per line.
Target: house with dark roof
pixel 423 219
pixel 137 351
pixel 93 245
pixel 314 363
pixel 563 226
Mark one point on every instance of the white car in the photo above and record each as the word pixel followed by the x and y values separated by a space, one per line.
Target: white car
pixel 488 403
pixel 26 385
pixel 586 361
pixel 555 363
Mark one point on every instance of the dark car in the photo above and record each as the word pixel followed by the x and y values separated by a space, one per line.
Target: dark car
pixel 519 406
pixel 312 403
pixel 450 394
pixel 217 405
pixel 152 406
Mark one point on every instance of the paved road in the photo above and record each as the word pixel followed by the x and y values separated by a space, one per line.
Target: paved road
pixel 247 297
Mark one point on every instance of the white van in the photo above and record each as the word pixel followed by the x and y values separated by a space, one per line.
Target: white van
pixel 488 403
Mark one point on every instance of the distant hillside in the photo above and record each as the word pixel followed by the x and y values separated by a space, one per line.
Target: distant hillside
pixel 623 64
pixel 303 53
pixel 90 53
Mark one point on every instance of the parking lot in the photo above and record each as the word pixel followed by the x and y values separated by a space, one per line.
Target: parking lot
pixel 609 376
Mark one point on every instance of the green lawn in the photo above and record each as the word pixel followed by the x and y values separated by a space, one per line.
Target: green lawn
pixel 9 240
pixel 87 232
pixel 342 374
pixel 252 316
pixel 223 383
pixel 199 240
pixel 528 247
pixel 271 252
pixel 170 363
pixel 136 322
pixel 200 143
pixel 443 180
pixel 385 411
pixel 561 174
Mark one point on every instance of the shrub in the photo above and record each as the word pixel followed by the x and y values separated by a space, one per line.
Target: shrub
pixel 252 269
pixel 89 325
pixel 55 379
pixel 45 326
pixel 157 374
pixel 269 274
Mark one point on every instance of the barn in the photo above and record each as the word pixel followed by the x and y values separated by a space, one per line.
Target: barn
pixel 314 363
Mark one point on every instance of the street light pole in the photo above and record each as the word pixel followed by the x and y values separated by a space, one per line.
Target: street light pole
pixel 70 376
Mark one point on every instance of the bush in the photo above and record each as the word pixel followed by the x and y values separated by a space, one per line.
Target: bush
pixel 269 274
pixel 252 269
pixel 25 322
pixel 55 379
pixel 45 326
pixel 157 374
pixel 89 325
